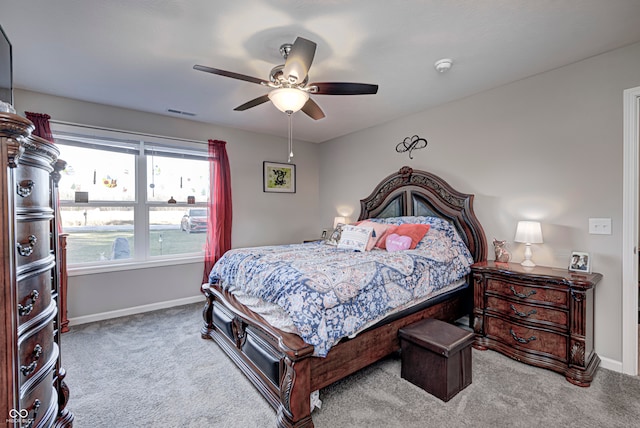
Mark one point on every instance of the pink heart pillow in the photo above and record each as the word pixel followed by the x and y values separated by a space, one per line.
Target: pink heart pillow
pixel 397 242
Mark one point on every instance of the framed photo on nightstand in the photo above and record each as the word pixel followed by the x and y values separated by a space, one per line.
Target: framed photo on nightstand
pixel 580 262
pixel 335 235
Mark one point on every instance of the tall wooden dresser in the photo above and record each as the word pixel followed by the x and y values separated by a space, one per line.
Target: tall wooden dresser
pixel 32 389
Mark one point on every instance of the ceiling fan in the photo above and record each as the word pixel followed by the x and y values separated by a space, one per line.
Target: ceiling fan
pixel 290 82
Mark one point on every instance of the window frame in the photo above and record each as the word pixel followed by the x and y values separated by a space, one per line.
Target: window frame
pixel 142 144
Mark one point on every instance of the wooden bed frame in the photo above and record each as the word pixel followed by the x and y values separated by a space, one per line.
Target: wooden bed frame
pixel 281 366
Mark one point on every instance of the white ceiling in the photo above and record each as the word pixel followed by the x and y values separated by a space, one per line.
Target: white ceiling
pixel 140 54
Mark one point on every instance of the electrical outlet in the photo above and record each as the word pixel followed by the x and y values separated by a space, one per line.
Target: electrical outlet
pixel 600 226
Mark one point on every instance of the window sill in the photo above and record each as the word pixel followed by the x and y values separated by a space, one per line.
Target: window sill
pixel 132 265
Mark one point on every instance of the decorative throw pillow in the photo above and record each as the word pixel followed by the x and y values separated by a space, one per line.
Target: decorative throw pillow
pixel 354 237
pixel 395 242
pixel 382 240
pixel 378 231
pixel 415 231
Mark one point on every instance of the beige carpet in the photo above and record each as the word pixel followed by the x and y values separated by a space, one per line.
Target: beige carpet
pixel 154 370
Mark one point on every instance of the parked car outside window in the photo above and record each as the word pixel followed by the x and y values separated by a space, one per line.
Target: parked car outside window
pixel 194 220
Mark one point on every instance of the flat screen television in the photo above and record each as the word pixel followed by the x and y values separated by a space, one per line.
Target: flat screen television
pixel 6 69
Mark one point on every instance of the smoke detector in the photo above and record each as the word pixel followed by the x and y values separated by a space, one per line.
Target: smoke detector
pixel 443 65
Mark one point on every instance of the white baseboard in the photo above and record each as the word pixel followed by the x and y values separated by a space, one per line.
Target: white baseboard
pixel 610 364
pixel 135 310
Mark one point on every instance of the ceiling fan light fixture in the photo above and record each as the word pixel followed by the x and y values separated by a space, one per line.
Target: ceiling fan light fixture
pixel 288 100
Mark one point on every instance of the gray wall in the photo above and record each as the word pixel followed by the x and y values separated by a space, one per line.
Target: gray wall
pixel 258 218
pixel 548 147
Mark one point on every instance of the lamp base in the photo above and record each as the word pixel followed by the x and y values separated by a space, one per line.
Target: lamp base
pixel 527 256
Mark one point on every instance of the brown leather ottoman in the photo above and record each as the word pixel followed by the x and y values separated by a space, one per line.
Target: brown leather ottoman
pixel 436 356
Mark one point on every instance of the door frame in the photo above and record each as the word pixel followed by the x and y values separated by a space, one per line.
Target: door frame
pixel 630 244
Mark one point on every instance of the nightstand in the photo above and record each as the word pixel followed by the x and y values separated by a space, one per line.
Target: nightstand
pixel 540 316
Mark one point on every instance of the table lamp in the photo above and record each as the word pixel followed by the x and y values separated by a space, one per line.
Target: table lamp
pixel 339 220
pixel 528 232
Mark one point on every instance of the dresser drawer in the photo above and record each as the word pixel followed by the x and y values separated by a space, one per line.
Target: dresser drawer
pixel 528 292
pixel 34 293
pixel 41 404
pixel 33 240
pixel 36 350
pixel 528 339
pixel 32 187
pixel 529 313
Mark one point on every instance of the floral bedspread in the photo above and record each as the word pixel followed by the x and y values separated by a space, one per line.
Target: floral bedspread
pixel 330 293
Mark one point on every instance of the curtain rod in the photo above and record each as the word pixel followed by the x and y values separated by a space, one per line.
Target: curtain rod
pixel 142 134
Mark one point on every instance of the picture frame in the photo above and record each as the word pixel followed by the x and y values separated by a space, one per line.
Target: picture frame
pixel 335 235
pixel 278 177
pixel 580 262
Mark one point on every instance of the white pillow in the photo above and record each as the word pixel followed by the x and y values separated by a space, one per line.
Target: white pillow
pixel 354 237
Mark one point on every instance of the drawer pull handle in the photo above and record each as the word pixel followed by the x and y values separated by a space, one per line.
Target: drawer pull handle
pixel 521 339
pixel 35 408
pixel 522 314
pixel 26 250
pixel 27 370
pixel 521 295
pixel 25 187
pixel 26 310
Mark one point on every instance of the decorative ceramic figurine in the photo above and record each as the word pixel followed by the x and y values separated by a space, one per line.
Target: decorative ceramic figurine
pixel 502 255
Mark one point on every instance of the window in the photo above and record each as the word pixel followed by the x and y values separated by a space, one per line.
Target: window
pixel 129 198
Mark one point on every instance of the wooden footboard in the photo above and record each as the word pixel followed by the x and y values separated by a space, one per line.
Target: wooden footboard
pixel 282 367
pixel 276 362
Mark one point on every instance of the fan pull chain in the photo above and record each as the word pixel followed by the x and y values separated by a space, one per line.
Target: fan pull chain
pixel 290 138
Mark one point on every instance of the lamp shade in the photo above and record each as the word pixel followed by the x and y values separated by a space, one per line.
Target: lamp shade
pixel 288 100
pixel 529 232
pixel 338 220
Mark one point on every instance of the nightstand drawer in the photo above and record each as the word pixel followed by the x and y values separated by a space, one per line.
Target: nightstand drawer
pixel 528 313
pixel 527 338
pixel 528 292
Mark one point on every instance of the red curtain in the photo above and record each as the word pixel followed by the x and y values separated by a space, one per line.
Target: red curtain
pixel 43 130
pixel 41 121
pixel 219 208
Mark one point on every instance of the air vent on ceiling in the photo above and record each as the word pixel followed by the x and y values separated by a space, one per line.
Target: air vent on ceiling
pixel 184 113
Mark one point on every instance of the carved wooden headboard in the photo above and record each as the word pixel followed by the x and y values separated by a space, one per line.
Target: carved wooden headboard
pixel 412 192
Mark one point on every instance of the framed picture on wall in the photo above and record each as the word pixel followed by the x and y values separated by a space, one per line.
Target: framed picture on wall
pixel 580 262
pixel 279 177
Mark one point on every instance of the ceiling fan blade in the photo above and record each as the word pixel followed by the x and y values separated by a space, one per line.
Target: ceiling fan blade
pixel 343 88
pixel 299 60
pixel 253 103
pixel 230 74
pixel 313 110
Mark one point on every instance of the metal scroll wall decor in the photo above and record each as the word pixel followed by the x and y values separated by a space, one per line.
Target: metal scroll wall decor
pixel 410 144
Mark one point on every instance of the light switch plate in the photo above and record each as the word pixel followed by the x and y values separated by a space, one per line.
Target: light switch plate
pixel 600 226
